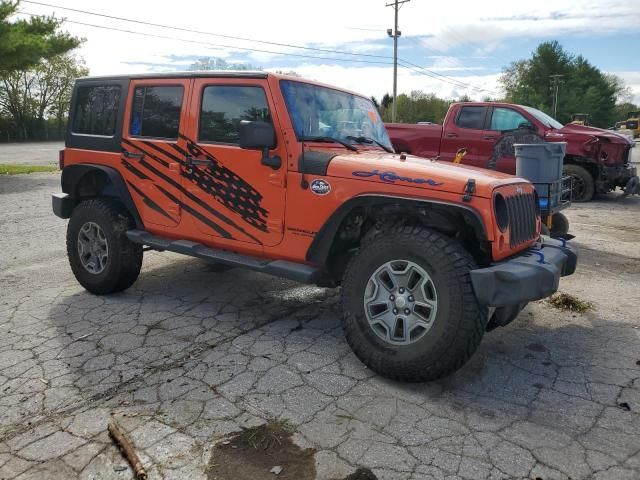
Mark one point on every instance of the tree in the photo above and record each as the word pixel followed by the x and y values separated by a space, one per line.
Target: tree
pixel 32 96
pixel 213 63
pixel 583 88
pixel 24 43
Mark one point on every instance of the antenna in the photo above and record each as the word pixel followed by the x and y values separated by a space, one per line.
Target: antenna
pixel 303 181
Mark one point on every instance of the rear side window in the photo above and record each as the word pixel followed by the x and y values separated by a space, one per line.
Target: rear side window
pixel 96 110
pixel 507 119
pixel 156 112
pixel 471 117
pixel 223 107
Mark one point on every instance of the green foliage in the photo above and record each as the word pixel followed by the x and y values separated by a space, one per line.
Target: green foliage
pixel 214 63
pixel 583 88
pixel 14 169
pixel 25 43
pixel 415 107
pixel 34 100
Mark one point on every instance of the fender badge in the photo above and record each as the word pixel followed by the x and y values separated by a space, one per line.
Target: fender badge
pixel 320 187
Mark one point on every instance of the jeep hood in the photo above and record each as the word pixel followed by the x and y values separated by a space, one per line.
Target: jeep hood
pixel 416 172
pixel 573 130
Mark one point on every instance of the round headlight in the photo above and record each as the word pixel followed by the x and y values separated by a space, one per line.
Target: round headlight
pixel 502 214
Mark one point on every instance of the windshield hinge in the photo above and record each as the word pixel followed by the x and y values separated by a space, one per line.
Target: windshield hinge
pixel 469 190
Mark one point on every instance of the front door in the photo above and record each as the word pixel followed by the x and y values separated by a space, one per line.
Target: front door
pixel 239 198
pixel 467 131
pixel 508 127
pixel 156 115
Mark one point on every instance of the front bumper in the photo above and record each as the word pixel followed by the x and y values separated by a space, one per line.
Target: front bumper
pixel 616 176
pixel 530 275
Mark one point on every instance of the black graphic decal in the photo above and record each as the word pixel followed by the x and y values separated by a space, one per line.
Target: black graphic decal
pixel 504 147
pixel 151 203
pixel 227 187
pixel 134 170
pixel 196 214
pixel 144 163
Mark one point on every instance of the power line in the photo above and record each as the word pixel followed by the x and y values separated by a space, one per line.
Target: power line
pixel 199 32
pixel 216 45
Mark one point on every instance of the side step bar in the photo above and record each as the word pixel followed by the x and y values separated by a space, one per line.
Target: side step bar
pixel 281 268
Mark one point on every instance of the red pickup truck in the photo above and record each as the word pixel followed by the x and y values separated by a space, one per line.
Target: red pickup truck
pixel 598 160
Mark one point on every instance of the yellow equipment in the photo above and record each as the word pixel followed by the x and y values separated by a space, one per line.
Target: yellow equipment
pixel 580 119
pixel 633 123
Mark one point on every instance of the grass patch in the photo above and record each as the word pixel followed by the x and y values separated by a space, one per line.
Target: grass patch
pixel 567 302
pixel 13 169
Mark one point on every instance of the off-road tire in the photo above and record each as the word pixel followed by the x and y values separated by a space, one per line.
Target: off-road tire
pixel 581 174
pixel 559 224
pixel 125 257
pixel 460 320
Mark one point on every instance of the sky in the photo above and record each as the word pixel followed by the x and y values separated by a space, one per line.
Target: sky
pixel 446 48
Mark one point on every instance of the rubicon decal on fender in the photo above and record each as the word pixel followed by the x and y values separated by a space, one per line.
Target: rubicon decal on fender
pixel 320 187
pixel 391 177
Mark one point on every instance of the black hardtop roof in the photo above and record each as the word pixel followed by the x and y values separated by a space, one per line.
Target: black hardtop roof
pixel 200 73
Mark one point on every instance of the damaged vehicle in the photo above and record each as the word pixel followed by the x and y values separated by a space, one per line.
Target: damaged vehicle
pixel 597 160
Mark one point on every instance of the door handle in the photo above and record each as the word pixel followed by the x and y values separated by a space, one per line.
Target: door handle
pixel 489 137
pixel 196 162
pixel 138 156
pixel 452 135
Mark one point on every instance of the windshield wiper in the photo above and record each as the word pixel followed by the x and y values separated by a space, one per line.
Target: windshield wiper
pixel 330 139
pixel 369 140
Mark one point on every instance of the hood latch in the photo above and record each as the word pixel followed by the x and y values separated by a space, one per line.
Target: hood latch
pixel 469 190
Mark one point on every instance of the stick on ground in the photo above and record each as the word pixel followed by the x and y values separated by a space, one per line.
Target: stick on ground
pixel 127 449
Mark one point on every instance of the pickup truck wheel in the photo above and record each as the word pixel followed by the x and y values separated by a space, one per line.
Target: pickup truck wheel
pixel 101 256
pixel 410 312
pixel 584 185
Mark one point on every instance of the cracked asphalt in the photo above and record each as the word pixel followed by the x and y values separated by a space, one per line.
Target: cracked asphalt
pixel 189 355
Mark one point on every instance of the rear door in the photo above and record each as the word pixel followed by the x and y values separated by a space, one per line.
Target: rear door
pixel 155 117
pixel 237 198
pixel 467 130
pixel 503 120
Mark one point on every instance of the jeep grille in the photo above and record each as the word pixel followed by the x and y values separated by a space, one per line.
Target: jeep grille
pixel 522 210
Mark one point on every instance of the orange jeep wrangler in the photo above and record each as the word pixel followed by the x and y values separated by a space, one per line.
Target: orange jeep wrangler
pixel 297 179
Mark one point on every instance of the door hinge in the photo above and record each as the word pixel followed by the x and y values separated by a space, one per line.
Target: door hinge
pixel 278 180
pixel 275 226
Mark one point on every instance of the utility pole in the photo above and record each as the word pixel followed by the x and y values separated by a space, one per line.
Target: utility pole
pixel 555 84
pixel 395 33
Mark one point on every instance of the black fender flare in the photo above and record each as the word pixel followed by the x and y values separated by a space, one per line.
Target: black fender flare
pixel 73 175
pixel 319 249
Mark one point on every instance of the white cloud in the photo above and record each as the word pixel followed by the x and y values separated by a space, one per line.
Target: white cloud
pixel 430 31
pixel 377 81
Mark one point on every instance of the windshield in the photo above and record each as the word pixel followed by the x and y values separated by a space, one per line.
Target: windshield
pixel 546 120
pixel 324 112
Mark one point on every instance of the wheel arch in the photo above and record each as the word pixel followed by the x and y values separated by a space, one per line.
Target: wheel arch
pixel 82 181
pixel 330 233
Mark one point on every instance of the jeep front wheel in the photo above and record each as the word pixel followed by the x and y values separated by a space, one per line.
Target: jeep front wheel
pixel 101 256
pixel 410 313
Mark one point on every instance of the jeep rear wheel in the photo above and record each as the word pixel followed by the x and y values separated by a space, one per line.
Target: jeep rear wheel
pixel 101 256
pixel 410 313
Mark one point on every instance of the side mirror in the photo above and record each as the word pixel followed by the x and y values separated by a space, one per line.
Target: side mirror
pixel 257 135
pixel 260 135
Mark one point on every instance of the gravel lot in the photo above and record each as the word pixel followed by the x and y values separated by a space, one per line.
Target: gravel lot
pixel 188 355
pixel 34 153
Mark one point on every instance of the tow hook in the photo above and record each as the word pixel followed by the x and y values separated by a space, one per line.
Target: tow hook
pixel 632 187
